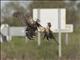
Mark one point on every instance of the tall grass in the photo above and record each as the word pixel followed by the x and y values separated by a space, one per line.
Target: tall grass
pixel 19 49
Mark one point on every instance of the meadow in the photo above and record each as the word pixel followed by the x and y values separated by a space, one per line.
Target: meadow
pixel 20 49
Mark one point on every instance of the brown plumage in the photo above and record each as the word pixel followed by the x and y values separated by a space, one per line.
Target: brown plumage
pixel 33 26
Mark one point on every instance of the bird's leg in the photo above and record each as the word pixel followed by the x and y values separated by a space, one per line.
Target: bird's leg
pixel 28 35
pixel 56 41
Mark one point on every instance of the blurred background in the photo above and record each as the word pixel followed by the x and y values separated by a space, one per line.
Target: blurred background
pixel 20 50
pixel 8 7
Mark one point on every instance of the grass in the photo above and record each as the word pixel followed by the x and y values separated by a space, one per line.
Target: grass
pixel 19 49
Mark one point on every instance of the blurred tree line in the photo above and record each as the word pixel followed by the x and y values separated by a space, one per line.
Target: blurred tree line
pixel 8 10
pixel 73 17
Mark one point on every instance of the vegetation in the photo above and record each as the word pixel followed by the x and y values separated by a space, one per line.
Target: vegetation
pixel 72 17
pixel 20 49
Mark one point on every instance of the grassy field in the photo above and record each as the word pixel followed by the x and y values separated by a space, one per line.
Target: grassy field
pixel 19 49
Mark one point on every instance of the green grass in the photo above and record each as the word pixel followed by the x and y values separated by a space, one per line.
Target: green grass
pixel 19 49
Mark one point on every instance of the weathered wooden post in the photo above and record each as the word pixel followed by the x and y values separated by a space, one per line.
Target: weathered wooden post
pixel 66 38
pixel 59 28
pixel 38 16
